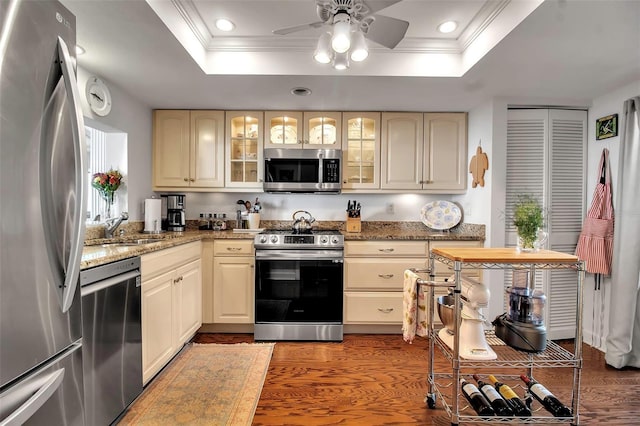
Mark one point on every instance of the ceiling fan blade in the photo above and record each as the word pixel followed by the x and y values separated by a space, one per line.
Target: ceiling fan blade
pixel 386 31
pixel 289 30
pixel 374 6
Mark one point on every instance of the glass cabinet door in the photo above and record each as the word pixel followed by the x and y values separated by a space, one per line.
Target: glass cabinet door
pixel 244 149
pixel 322 130
pixel 361 154
pixel 284 129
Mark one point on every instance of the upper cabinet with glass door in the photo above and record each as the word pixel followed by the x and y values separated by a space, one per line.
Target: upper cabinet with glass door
pixel 244 149
pixel 310 129
pixel 361 150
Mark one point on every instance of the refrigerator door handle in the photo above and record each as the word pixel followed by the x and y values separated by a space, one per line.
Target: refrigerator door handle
pixel 77 128
pixel 47 387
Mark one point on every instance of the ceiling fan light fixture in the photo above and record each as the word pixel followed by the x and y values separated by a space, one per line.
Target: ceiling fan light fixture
pixel 341 61
pixel 341 40
pixel 448 27
pixel 323 50
pixel 359 51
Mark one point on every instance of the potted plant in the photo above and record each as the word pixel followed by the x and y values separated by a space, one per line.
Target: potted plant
pixel 528 218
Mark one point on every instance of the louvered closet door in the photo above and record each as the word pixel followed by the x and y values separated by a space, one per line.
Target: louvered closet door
pixel 545 157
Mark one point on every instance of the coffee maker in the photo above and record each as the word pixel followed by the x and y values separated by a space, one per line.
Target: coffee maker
pixel 173 216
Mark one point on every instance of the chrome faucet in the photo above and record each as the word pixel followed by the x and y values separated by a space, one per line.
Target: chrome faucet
pixel 110 225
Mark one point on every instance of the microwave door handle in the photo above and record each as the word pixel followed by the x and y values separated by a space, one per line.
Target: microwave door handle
pixel 77 129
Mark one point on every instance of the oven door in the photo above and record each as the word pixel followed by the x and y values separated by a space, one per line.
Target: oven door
pixel 299 286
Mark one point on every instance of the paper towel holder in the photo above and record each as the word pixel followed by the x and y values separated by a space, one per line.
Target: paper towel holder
pixel 157 227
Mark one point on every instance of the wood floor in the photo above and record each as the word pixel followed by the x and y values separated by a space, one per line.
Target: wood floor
pixel 381 380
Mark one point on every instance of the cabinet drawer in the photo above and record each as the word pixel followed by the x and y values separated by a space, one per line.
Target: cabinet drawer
pixel 388 274
pixel 233 248
pixel 373 307
pixel 386 248
pixel 156 263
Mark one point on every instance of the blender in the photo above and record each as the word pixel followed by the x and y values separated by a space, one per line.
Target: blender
pixel 522 327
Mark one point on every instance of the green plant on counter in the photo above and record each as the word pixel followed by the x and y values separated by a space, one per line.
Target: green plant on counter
pixel 528 218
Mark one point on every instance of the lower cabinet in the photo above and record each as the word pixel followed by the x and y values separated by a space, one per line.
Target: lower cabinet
pixel 233 281
pixel 171 304
pixel 374 277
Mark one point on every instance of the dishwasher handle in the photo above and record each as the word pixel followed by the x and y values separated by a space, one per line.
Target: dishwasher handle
pixel 101 285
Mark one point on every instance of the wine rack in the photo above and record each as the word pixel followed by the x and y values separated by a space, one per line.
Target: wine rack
pixel 444 387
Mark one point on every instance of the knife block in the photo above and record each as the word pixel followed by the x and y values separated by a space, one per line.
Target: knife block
pixel 354 224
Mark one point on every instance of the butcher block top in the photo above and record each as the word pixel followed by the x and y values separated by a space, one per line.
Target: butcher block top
pixel 503 255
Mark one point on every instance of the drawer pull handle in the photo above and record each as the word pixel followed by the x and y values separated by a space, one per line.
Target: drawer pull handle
pixel 385 276
pixel 386 250
pixel 385 310
pixel 234 248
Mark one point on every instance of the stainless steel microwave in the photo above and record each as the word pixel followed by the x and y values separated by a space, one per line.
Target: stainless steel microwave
pixel 302 170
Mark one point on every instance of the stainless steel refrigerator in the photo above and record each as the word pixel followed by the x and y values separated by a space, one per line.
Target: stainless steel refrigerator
pixel 42 204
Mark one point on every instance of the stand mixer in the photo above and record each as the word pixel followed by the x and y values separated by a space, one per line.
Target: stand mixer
pixel 472 343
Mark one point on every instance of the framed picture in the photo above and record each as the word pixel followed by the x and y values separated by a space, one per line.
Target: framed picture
pixel 607 127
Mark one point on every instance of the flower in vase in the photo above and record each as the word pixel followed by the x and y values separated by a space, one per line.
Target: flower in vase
pixel 107 183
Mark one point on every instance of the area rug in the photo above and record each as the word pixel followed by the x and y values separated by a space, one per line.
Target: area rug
pixel 206 384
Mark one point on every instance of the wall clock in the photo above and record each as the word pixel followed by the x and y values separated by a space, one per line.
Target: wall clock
pixel 98 96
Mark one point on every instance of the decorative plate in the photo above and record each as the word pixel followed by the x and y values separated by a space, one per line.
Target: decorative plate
pixel 322 134
pixel 440 215
pixel 290 136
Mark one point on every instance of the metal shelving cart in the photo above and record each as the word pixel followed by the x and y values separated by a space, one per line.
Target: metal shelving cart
pixel 459 259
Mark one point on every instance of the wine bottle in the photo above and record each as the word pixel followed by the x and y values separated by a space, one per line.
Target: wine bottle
pixel 517 405
pixel 475 398
pixel 546 398
pixel 497 402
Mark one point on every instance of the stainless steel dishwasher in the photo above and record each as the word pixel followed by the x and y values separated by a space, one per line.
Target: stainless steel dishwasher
pixel 112 339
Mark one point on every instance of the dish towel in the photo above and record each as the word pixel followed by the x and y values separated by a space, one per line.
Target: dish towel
pixel 414 319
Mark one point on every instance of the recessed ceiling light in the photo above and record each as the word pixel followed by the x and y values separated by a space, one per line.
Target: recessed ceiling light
pixel 79 50
pixel 300 91
pixel 224 24
pixel 447 27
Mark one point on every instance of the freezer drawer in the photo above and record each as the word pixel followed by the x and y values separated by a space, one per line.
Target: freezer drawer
pixel 50 395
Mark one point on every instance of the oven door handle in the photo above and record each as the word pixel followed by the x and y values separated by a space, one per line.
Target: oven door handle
pixel 336 255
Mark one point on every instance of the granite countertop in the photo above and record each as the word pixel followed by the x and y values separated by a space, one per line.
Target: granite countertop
pixel 99 251
pixel 414 231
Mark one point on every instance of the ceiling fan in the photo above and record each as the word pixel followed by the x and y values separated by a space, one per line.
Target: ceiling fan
pixel 383 30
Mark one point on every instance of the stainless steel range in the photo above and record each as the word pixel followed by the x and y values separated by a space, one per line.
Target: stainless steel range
pixel 299 285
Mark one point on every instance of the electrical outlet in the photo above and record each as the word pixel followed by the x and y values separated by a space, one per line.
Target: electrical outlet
pixel 390 208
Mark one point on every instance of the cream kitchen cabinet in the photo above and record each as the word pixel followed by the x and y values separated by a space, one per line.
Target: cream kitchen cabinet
pixel 244 156
pixel 361 150
pixel 233 281
pixel 188 150
pixel 171 304
pixel 308 129
pixel 374 277
pixel 424 152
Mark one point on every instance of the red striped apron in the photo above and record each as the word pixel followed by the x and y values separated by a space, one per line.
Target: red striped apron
pixel 595 245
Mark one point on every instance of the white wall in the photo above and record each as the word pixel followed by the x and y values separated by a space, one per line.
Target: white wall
pixel 406 207
pixel 129 116
pixel 596 303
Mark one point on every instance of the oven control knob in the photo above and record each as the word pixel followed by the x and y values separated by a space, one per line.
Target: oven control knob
pixel 274 239
pixel 335 240
pixel 263 239
pixel 324 239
